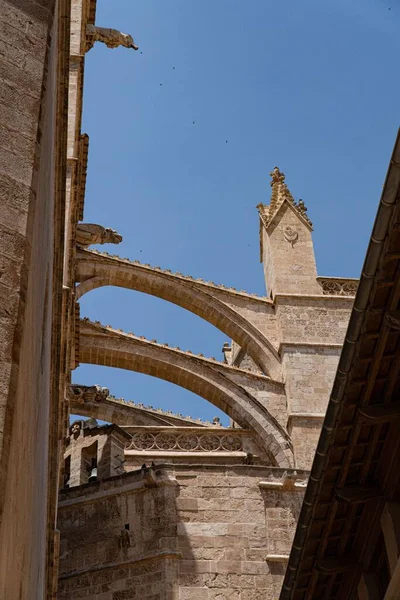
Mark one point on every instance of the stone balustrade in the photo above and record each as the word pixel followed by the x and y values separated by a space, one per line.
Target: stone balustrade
pixel 334 286
pixel 193 440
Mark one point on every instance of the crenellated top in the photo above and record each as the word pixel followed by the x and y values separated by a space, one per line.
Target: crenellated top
pixel 84 254
pixel 279 194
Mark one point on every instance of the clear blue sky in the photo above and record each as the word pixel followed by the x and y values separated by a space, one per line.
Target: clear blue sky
pixel 310 86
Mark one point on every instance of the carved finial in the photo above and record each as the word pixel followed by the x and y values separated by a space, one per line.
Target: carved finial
pixel 276 176
pixel 301 206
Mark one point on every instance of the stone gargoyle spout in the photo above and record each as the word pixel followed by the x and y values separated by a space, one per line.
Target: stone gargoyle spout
pixel 112 38
pixel 91 233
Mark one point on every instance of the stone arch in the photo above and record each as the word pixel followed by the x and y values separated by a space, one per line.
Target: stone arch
pixel 102 346
pixel 95 270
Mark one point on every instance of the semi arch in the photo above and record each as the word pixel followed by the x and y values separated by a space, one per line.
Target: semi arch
pixel 102 346
pixel 95 270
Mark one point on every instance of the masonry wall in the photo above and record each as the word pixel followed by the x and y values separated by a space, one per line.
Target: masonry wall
pixel 101 558
pixel 28 72
pixel 188 445
pixel 312 331
pixel 204 533
pixel 106 445
pixel 289 267
pixel 233 535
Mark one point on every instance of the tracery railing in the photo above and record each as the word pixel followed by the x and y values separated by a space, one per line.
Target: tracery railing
pixel 334 286
pixel 191 441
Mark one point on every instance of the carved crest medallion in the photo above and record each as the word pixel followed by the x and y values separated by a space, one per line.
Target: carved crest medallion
pixel 290 235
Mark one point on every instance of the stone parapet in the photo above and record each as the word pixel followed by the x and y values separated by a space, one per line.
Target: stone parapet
pixel 338 286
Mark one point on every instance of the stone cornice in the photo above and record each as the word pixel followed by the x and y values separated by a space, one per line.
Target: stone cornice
pixel 163 554
pixel 313 345
pixel 322 297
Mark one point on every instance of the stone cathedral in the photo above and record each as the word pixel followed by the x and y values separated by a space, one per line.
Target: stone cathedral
pixel 151 505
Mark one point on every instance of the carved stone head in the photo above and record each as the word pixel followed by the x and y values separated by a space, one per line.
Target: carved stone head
pixel 75 429
pixel 111 236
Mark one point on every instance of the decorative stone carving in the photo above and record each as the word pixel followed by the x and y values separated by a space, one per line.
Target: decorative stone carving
pixel 211 443
pixel 91 233
pixel 338 287
pixel 231 443
pixel 88 393
pixel 75 429
pixel 164 441
pixel 186 442
pixel 143 441
pixel 291 235
pixel 280 193
pixel 249 459
pixel 276 176
pixel 289 479
pixel 112 38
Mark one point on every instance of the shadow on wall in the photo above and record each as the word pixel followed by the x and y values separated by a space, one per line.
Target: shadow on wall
pixel 119 538
pixel 189 531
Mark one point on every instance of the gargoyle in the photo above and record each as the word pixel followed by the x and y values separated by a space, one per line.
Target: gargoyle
pixel 112 38
pixel 75 429
pixel 289 479
pixel 90 233
pixel 88 393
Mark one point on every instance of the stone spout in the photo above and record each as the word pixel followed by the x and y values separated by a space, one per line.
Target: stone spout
pixel 91 233
pixel 112 38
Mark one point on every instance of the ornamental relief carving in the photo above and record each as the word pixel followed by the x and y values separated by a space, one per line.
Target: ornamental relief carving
pixel 185 442
pixel 290 235
pixel 337 287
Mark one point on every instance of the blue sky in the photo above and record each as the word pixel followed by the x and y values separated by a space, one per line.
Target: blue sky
pixel 309 86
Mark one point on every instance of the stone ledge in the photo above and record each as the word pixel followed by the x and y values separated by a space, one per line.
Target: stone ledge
pixel 321 297
pixel 277 557
pixel 158 555
pixel 312 416
pixel 299 486
pixel 170 454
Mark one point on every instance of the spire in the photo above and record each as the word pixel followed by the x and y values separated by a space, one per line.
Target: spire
pixel 279 194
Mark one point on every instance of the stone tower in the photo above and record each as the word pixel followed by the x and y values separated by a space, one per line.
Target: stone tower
pixel 287 250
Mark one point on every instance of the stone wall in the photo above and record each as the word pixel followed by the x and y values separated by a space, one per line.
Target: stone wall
pixel 201 533
pixel 188 445
pixel 104 444
pixel 29 209
pixel 313 320
pixel 118 539
pixel 289 267
pixel 234 535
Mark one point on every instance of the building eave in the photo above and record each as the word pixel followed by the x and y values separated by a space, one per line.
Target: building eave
pixel 377 250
